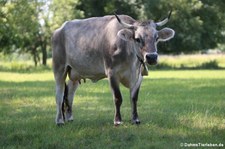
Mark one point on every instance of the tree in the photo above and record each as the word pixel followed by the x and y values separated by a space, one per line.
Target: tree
pixel 94 8
pixel 22 30
pixel 44 17
pixel 5 29
pixel 22 25
pixel 213 17
pixel 64 10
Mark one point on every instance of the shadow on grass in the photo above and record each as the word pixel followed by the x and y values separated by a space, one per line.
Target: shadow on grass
pixel 31 89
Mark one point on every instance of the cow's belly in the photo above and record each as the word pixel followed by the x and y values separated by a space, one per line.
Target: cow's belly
pixel 93 70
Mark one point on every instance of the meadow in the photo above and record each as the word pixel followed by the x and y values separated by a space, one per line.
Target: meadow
pixel 177 108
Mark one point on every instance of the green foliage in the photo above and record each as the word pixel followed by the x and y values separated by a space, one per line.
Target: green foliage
pixel 20 18
pixel 107 7
pixel 210 65
pixel 22 29
pixel 175 107
pixel 64 10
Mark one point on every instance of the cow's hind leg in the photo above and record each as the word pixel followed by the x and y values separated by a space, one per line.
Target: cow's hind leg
pixel 117 100
pixel 68 99
pixel 60 74
pixel 60 86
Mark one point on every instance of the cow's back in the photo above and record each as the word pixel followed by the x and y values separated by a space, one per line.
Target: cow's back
pixel 88 34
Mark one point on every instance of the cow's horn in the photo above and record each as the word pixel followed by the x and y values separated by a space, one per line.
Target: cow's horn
pixel 164 21
pixel 126 25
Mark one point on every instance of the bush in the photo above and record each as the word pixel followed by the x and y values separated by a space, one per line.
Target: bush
pixel 213 64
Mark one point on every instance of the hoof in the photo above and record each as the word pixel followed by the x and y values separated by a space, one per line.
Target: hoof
pixel 117 123
pixel 60 124
pixel 136 122
pixel 70 119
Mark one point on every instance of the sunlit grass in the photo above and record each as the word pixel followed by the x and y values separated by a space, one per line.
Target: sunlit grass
pixel 192 61
pixel 22 65
pixel 20 77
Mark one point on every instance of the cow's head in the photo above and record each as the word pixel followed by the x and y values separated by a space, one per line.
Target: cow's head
pixel 145 36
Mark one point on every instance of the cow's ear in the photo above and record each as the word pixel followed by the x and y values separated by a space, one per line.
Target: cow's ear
pixel 165 34
pixel 125 34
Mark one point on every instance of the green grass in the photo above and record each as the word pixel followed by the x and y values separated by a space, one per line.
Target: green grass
pixel 174 106
pixel 197 61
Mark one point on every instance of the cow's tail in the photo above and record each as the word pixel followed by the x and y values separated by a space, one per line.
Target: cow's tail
pixel 65 100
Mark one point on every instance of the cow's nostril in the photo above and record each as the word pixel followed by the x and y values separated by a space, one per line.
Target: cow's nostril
pixel 152 59
pixel 152 56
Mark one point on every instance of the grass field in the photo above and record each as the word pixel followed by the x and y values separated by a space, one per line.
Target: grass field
pixel 196 61
pixel 175 108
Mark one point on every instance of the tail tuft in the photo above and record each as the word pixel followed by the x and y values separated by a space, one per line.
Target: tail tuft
pixel 65 100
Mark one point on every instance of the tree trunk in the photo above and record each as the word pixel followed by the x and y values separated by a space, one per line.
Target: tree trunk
pixel 44 54
pixel 35 57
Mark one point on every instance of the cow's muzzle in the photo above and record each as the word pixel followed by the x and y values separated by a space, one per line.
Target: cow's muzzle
pixel 151 58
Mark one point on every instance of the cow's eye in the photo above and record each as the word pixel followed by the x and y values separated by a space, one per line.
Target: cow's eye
pixel 138 40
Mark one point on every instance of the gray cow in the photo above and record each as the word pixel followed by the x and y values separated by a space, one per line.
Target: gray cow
pixel 113 47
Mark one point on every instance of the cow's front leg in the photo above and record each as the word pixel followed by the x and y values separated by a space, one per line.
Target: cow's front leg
pixel 72 86
pixel 117 97
pixel 134 98
pixel 134 113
